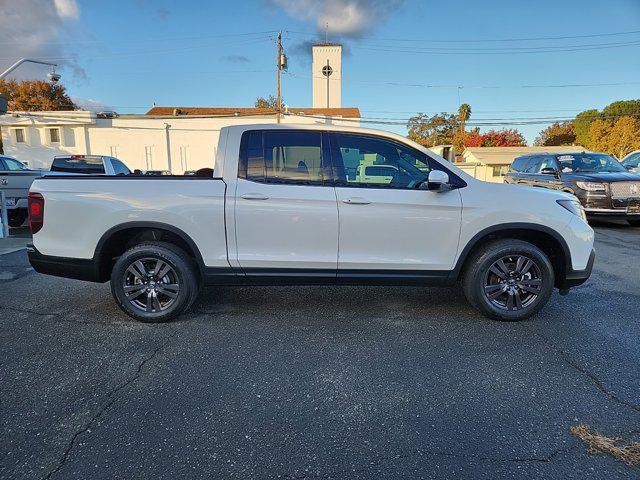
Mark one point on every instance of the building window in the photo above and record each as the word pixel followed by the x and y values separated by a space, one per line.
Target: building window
pixel 113 150
pixel 184 158
pixel 500 170
pixel 148 156
pixel 54 135
pixel 19 135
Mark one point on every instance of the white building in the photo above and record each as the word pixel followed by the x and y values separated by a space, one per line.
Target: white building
pixel 165 138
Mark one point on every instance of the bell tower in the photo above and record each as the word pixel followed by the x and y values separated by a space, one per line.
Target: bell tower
pixel 327 75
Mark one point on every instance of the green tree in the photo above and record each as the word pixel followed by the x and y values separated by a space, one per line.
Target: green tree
pixel 621 108
pixel 557 134
pixel 435 130
pixel 271 102
pixel 582 124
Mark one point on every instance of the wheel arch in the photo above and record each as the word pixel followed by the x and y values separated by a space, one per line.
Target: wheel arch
pixel 119 238
pixel 545 238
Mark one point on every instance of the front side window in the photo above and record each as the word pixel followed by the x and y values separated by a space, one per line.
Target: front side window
pixel 14 164
pixel 547 163
pixel 289 157
pixel 633 160
pixel 364 161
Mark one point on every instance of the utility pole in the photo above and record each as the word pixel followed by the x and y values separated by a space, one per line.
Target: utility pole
pixel 279 101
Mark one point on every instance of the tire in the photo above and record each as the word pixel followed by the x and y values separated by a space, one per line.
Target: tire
pixel 149 298
pixel 514 289
pixel 16 217
pixel 634 223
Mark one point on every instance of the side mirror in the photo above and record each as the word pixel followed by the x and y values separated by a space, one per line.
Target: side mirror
pixel 549 171
pixel 438 181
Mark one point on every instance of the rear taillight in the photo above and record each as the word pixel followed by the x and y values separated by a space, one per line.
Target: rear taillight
pixel 36 212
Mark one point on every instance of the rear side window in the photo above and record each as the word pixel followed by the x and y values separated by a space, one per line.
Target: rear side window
pixel 14 164
pixel 289 157
pixel 78 165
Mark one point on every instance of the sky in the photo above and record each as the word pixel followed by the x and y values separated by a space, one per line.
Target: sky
pixel 510 60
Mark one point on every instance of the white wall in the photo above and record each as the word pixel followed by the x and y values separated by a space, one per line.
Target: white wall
pixel 134 139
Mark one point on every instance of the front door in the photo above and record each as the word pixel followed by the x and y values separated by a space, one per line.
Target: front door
pixel 285 205
pixel 387 222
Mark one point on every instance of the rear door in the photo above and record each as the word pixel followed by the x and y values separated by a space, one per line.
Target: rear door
pixel 386 223
pixel 285 205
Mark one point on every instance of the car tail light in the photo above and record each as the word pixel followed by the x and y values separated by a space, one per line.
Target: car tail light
pixel 36 212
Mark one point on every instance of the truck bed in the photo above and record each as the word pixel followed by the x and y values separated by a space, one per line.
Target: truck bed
pixel 82 211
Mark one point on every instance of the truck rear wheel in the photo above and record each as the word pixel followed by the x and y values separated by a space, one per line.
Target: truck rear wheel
pixel 154 282
pixel 508 280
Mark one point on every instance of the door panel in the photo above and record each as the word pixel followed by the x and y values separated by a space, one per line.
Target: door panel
pixel 398 229
pixel 285 209
pixel 286 226
pixel 386 221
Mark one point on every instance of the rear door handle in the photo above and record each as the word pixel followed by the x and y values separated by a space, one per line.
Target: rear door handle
pixel 356 201
pixel 254 196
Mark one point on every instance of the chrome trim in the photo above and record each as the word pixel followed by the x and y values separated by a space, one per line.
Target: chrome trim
pixel 621 211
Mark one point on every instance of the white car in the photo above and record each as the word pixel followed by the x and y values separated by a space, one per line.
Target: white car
pixel 632 162
pixel 301 204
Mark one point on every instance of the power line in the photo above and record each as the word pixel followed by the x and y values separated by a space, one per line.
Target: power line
pixel 423 85
pixel 497 40
pixel 434 51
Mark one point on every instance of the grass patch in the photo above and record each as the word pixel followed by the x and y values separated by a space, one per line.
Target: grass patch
pixel 597 443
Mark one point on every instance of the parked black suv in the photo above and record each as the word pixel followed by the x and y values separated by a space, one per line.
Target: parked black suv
pixel 602 184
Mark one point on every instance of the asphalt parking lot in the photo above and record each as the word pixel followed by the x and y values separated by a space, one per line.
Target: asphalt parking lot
pixel 317 382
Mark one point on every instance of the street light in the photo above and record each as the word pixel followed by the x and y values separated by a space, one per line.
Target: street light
pixel 53 76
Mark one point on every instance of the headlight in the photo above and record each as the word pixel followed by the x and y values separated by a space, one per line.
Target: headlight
pixel 574 206
pixel 591 186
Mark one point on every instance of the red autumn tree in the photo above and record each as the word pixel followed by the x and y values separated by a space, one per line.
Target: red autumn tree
pixel 496 138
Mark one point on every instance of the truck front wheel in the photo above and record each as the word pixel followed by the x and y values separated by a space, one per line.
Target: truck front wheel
pixel 508 279
pixel 154 282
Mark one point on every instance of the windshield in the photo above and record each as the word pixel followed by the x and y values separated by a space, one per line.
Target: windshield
pixel 632 160
pixel 589 162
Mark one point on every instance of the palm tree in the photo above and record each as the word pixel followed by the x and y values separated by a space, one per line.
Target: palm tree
pixel 464 113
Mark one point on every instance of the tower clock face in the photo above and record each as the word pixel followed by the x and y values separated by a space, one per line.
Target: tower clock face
pixel 327 71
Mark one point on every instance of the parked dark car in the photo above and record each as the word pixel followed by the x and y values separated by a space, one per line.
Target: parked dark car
pixel 602 184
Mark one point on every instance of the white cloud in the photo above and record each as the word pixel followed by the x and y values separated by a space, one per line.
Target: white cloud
pixel 67 9
pixel 348 18
pixel 37 28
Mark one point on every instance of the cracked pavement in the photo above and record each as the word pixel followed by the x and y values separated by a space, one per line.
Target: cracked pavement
pixel 318 382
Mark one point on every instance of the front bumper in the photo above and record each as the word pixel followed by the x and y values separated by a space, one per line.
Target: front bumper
pixel 573 278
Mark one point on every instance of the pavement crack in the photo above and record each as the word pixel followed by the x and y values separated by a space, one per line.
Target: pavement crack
pixel 590 375
pixel 112 397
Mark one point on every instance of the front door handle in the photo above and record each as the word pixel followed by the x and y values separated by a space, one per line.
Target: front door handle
pixel 254 196
pixel 356 201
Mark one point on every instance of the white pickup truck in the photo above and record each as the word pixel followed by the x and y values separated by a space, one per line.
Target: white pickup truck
pixel 312 205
